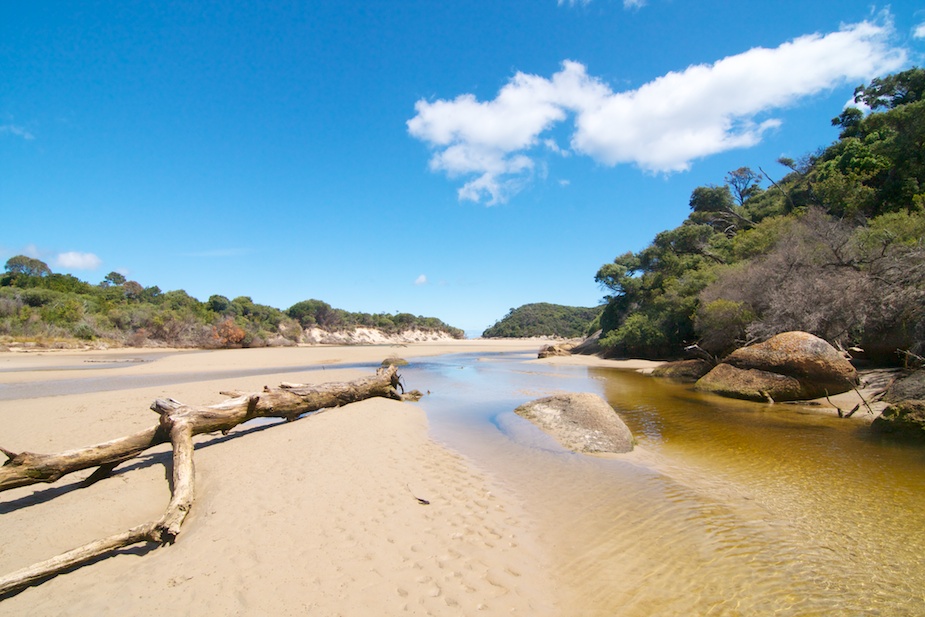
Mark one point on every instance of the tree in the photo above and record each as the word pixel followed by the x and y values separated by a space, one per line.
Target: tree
pixel 850 121
pixel 27 266
pixel 132 290
pixel 894 90
pixel 314 312
pixel 218 304
pixel 715 206
pixel 620 276
pixel 113 278
pixel 744 184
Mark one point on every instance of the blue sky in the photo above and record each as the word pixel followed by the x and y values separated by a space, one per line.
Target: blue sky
pixel 451 161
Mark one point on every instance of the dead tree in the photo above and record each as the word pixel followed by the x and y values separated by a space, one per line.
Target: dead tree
pixel 178 424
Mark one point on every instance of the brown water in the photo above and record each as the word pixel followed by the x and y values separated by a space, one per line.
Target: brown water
pixel 726 508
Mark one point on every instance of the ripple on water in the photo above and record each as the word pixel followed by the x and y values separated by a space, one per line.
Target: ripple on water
pixel 728 508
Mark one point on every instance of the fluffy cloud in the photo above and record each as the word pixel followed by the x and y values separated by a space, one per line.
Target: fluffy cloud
pixel 78 261
pixel 919 32
pixel 660 127
pixel 421 280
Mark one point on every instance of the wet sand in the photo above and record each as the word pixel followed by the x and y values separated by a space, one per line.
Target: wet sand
pixel 319 516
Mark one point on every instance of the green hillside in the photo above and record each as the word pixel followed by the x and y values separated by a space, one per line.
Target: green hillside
pixel 543 319
pixel 39 305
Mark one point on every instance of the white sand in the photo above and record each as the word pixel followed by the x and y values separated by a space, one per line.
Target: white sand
pixel 317 517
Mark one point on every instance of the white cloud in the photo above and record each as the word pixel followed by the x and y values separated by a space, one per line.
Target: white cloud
pixel 574 2
pixel 919 32
pixel 18 131
pixel 661 127
pixel 78 261
pixel 633 4
pixel 421 280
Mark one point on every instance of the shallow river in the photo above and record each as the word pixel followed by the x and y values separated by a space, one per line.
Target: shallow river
pixel 726 507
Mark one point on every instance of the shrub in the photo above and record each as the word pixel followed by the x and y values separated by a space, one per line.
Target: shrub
pixel 228 333
pixel 721 325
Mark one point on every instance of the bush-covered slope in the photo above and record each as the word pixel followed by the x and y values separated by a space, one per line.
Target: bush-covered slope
pixel 836 247
pixel 543 319
pixel 39 305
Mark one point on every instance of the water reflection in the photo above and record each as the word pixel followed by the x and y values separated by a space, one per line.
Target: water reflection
pixel 728 507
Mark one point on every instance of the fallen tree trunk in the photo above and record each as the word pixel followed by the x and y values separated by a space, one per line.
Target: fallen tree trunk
pixel 163 531
pixel 178 424
pixel 288 401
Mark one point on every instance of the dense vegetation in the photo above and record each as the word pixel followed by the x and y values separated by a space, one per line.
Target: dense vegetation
pixel 37 304
pixel 542 319
pixel 834 248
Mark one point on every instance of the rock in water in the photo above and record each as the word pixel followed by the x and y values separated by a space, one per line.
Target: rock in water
pixel 687 371
pixel 557 349
pixel 906 418
pixel 581 422
pixel 813 369
pixel 394 361
pixel 750 384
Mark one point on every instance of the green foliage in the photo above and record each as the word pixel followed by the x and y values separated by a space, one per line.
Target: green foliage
pixel 315 313
pixel 113 278
pixel 835 247
pixel 61 306
pixel 761 238
pixel 640 334
pixel 26 266
pixel 894 90
pixel 544 319
pixel 722 324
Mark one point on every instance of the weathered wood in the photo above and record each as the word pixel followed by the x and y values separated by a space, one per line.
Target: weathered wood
pixel 178 424
pixel 26 468
pixel 163 531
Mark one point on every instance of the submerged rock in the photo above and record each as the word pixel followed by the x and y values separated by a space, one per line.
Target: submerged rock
pixel 788 367
pixel 581 422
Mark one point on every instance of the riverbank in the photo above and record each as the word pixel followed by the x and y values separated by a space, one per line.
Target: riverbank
pixel 320 516
pixel 862 403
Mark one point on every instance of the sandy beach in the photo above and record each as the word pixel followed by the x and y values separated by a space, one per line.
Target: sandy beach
pixel 322 516
pixel 319 516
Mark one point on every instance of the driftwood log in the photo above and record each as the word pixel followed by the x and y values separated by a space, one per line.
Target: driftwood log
pixel 178 424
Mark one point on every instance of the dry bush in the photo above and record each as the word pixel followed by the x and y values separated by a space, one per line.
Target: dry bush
pixel 228 334
pixel 812 280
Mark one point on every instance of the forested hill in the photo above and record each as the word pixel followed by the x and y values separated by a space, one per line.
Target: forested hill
pixel 543 319
pixel 834 247
pixel 41 306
